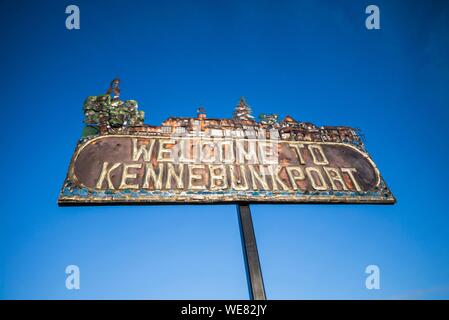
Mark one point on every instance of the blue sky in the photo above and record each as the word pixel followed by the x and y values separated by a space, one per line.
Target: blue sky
pixel 313 60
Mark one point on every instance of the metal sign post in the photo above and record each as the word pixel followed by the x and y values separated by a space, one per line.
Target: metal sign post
pixel 250 253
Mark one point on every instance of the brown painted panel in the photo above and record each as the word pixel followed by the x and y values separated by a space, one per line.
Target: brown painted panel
pixel 129 169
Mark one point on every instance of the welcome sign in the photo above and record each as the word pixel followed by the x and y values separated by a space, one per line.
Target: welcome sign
pixel 121 160
pixel 135 169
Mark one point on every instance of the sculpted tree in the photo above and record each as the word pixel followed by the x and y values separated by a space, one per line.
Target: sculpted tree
pixel 103 113
pixel 242 112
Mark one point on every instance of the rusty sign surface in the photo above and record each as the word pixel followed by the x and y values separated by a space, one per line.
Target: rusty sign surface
pixel 210 160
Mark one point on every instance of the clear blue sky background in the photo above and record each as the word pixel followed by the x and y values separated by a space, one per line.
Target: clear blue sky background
pixel 314 60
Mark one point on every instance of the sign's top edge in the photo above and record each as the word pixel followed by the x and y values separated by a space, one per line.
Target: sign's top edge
pixel 106 114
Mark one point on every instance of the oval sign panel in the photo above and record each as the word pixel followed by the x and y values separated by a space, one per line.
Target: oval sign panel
pixel 125 169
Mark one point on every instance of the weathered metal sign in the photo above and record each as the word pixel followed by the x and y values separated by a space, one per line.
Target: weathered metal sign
pixel 203 160
pixel 134 169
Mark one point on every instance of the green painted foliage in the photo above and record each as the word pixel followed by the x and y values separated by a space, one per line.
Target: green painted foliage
pixel 114 113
